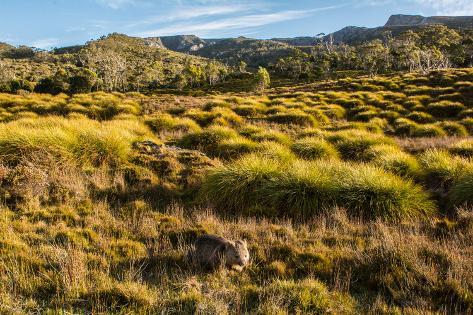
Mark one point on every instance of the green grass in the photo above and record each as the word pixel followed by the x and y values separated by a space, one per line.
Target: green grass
pixel 445 109
pixel 167 123
pixel 461 193
pixel 293 117
pixel 394 160
pixel 354 144
pixel 81 140
pixel 301 189
pixel 314 148
pixel 463 148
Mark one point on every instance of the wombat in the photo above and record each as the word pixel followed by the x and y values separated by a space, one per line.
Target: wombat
pixel 211 251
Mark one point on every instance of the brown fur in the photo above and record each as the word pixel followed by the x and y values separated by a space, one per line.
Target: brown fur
pixel 211 251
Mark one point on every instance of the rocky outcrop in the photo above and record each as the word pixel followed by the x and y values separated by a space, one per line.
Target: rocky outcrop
pixel 419 20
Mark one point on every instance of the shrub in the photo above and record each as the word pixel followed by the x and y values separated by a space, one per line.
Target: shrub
pixel 467 113
pixel 404 127
pixel 261 134
pixel 333 111
pixel 389 115
pixel 218 116
pixel 366 115
pixel 250 110
pixel 445 109
pixel 319 116
pixel 314 148
pixel 276 151
pixel 468 124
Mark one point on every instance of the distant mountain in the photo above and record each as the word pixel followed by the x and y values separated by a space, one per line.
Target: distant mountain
pixel 255 52
pixel 398 24
pixel 419 20
pixel 298 41
pixel 183 43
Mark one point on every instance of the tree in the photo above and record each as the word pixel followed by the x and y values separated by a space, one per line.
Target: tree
pixel 242 66
pixel 58 83
pixel 373 56
pixel 6 76
pixel 110 66
pixel 262 79
pixel 83 81
pixel 194 73
pixel 213 72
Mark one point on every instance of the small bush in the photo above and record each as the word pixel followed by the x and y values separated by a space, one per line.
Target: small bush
pixel 308 297
pixel 260 134
pixel 468 124
pixel 404 127
pixel 333 111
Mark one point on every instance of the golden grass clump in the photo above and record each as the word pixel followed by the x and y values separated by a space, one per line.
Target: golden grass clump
pixel 84 141
pixel 258 184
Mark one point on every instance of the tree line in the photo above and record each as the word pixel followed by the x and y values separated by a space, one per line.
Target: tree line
pixel 428 48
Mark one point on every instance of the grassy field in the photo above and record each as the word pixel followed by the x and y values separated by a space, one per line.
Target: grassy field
pixel 354 195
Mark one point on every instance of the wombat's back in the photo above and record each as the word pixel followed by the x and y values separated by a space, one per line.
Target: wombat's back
pixel 209 249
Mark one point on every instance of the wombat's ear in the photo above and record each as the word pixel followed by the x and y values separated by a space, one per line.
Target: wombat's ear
pixel 243 242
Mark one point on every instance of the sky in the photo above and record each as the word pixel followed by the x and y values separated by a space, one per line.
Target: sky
pixel 57 23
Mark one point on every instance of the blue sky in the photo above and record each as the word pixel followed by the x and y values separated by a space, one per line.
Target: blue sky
pixel 55 23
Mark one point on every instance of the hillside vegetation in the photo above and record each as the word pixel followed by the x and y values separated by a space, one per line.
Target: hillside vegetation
pixel 354 195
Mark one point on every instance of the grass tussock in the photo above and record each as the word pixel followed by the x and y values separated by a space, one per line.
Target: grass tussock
pixel 83 141
pixel 299 188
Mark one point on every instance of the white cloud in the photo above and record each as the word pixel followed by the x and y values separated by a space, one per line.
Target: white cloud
pixel 186 13
pixel 231 23
pixel 116 4
pixel 45 43
pixel 449 7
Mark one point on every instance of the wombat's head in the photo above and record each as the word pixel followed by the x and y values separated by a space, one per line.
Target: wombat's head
pixel 236 253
